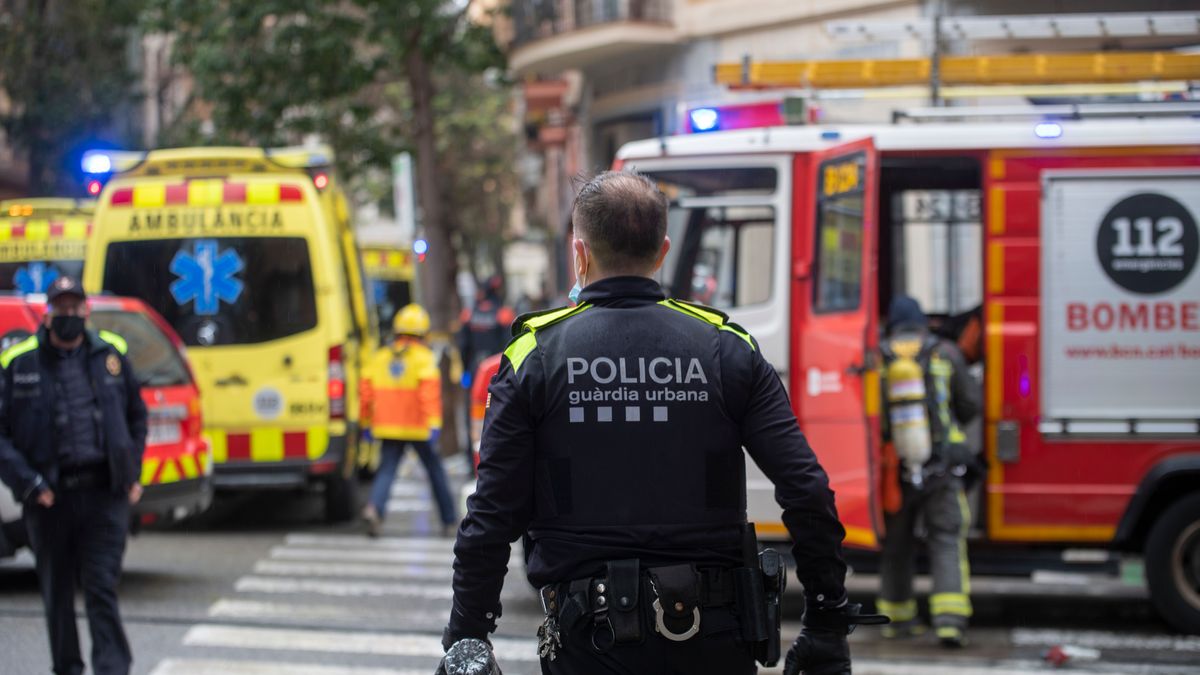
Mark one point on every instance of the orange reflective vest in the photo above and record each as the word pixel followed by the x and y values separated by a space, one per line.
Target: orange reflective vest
pixel 402 392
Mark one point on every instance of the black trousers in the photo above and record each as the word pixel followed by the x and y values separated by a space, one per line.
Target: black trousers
pixel 81 540
pixel 717 650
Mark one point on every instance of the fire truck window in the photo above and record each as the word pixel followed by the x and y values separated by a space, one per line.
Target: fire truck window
pixel 839 247
pixel 728 182
pixel 938 259
pixel 721 256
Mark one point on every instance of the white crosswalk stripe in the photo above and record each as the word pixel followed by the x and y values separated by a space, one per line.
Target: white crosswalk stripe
pixel 359 555
pixel 350 642
pixel 315 613
pixel 346 604
pixel 341 541
pixel 340 588
pixel 441 573
pixel 235 667
pixel 407 505
pixel 370 555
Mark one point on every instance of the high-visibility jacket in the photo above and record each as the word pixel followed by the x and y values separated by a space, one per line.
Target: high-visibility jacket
pixel 402 392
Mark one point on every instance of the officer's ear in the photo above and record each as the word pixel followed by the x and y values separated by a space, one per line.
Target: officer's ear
pixel 581 256
pixel 662 254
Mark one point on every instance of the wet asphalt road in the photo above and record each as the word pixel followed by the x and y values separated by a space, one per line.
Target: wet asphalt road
pixel 260 586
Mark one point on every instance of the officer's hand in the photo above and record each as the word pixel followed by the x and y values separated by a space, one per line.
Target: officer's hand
pixel 821 648
pixel 434 435
pixel 818 652
pixel 135 493
pixel 45 498
pixel 469 656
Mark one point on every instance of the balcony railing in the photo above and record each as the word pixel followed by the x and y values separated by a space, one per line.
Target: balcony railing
pixel 535 20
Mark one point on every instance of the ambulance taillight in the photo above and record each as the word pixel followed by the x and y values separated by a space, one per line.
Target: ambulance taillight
pixel 337 384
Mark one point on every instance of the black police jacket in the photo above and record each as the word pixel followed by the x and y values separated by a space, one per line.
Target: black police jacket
pixel 615 430
pixel 28 448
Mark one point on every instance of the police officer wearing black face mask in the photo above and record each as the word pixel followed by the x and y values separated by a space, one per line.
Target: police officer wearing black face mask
pixel 72 431
pixel 613 443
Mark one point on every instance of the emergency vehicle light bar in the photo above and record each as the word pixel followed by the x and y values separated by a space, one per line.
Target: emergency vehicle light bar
pixel 102 163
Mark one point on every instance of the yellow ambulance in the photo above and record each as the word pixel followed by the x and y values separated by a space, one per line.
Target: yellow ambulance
pixel 390 273
pixel 248 253
pixel 42 239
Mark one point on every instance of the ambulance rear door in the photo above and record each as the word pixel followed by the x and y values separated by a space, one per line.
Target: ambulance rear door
pixel 835 308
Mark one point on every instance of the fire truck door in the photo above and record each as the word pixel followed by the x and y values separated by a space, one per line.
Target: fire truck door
pixel 834 386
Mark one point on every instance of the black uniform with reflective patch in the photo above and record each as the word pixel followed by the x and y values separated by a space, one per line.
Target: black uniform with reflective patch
pixel 615 430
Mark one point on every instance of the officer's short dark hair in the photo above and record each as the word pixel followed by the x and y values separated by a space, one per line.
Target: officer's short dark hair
pixel 622 215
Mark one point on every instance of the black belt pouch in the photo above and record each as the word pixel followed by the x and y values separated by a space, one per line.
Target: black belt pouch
pixel 623 612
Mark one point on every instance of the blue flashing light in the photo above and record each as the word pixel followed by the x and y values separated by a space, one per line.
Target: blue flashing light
pixel 704 119
pixel 1048 130
pixel 830 135
pixel 420 247
pixel 97 163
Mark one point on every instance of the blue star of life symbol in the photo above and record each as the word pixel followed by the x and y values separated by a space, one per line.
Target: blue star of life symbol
pixel 396 368
pixel 35 277
pixel 206 277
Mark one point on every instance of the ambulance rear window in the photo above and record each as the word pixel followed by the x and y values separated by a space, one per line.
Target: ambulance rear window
pixel 219 291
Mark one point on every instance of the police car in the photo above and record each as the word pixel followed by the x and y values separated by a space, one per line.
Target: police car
pixel 177 463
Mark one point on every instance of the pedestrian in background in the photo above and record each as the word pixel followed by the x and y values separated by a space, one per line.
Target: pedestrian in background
pixel 933 490
pixel 72 432
pixel 485 324
pixel 402 405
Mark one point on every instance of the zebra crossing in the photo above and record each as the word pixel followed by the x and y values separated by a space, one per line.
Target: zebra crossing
pixel 338 603
pixel 344 604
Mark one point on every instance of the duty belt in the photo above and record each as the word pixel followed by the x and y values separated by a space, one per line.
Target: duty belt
pixel 83 477
pixel 675 594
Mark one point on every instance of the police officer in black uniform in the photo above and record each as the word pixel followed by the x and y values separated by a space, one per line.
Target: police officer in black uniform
pixel 613 443
pixel 72 431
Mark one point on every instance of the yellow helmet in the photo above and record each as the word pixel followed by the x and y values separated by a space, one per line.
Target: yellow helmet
pixel 411 320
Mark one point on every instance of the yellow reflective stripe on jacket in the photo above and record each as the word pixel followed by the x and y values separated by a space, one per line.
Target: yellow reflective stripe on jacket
pixel 520 348
pixel 400 432
pixel 942 370
pixel 708 317
pixel 27 345
pixel 114 340
pixel 957 604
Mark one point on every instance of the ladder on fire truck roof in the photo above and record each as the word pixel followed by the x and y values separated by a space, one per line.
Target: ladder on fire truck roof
pixel 1010 69
pixel 947 76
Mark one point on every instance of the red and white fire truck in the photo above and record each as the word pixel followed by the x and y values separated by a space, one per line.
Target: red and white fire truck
pixel 1073 245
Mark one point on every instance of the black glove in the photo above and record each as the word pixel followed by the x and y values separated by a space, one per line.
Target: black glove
pixel 469 657
pixel 818 652
pixel 821 647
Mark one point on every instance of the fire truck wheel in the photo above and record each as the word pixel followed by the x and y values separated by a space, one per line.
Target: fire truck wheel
pixel 340 498
pixel 1173 564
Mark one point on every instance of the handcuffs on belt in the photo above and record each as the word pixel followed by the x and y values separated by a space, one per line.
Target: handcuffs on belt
pixel 613 604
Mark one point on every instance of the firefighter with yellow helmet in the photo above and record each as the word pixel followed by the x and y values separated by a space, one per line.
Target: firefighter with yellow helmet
pixel 402 405
pixel 928 397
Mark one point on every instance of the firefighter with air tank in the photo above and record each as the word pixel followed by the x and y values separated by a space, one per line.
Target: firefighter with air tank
pixel 928 397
